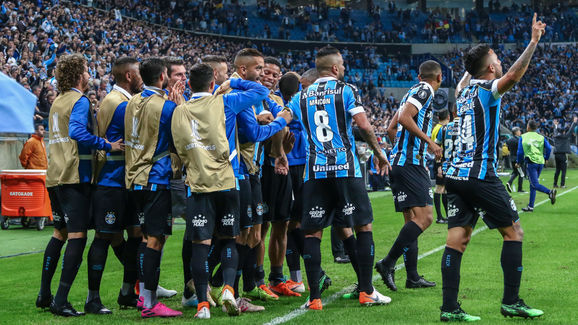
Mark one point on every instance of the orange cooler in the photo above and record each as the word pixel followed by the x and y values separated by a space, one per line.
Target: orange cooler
pixel 24 193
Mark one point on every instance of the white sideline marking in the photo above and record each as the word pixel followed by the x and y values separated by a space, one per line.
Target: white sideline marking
pixel 298 312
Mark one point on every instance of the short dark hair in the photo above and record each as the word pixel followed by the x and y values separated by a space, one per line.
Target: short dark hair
pixel 214 59
pixel 272 60
pixel 311 74
pixel 532 125
pixel 200 77
pixel 289 84
pixel 247 52
pixel 118 68
pixel 37 125
pixel 172 61
pixel 474 59
pixel 429 69
pixel 151 70
pixel 326 50
pixel 443 114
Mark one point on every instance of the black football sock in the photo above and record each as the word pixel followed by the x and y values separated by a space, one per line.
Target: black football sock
pixel 140 260
pixel 242 252
pixel 276 275
pixel 437 205
pixel 259 275
pixel 410 260
pixel 186 255
pixel 249 268
pixel 445 202
pixel 96 261
pixel 49 264
pixel 365 255
pixel 312 259
pixel 130 265
pixel 152 270
pixel 229 261
pixel 70 264
pixel 214 254
pixel 451 263
pixel 199 269
pixel 407 235
pixel 293 257
pixel 512 266
pixel 350 245
pixel 119 251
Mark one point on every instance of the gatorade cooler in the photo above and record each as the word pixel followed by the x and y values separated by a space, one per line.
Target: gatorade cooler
pixel 24 194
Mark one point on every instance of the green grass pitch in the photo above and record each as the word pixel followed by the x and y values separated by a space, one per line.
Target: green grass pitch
pixel 548 282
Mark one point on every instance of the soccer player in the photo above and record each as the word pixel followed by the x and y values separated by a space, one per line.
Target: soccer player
pixel 472 183
pixel 512 144
pixel 438 135
pixel 220 68
pixel 68 179
pixel 207 143
pixel 148 172
pixel 333 190
pixel 111 211
pixel 534 149
pixel 410 182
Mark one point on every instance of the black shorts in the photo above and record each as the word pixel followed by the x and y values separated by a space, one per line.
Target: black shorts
pixel 110 210
pixel 57 214
pixel 212 213
pixel 257 200
pixel 341 202
pixel 178 198
pixel 246 203
pixel 411 187
pixel 74 201
pixel 296 173
pixel 469 199
pixel 277 195
pixel 154 211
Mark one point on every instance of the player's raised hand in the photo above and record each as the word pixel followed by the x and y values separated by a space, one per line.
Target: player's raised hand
pixel 538 28
pixel 176 93
pixel 381 163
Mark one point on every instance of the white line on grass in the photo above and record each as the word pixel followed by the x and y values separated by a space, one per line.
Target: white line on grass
pixel 298 312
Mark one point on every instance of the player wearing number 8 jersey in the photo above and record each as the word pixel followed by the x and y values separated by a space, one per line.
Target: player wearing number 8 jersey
pixel 471 182
pixel 334 191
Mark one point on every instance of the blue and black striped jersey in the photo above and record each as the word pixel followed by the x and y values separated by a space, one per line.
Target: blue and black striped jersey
pixel 408 148
pixel 478 126
pixel 326 109
pixel 447 138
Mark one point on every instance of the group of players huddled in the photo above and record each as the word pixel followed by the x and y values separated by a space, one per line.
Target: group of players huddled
pixel 256 151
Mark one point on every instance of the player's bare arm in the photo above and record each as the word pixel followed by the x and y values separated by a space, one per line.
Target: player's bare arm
pixel 392 127
pixel 405 118
pixel 463 83
pixel 366 130
pixel 518 69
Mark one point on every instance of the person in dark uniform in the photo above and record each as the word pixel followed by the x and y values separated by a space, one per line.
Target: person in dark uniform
pixel 562 138
pixel 512 144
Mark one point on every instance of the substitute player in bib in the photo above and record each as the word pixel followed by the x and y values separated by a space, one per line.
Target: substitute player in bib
pixel 111 211
pixel 334 191
pixel 148 173
pixel 472 183
pixel 410 182
pixel 68 180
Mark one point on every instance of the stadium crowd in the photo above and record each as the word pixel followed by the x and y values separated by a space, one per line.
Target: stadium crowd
pixel 33 37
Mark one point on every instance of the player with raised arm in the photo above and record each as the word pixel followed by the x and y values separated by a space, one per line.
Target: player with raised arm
pixel 472 183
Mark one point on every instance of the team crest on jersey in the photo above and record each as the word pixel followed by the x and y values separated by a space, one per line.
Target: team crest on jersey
pixel 249 212
pixel 513 205
pixel 401 197
pixel 316 212
pixel 422 94
pixel 110 218
pixel 228 220
pixel 199 220
pixel 260 209
pixel 348 209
